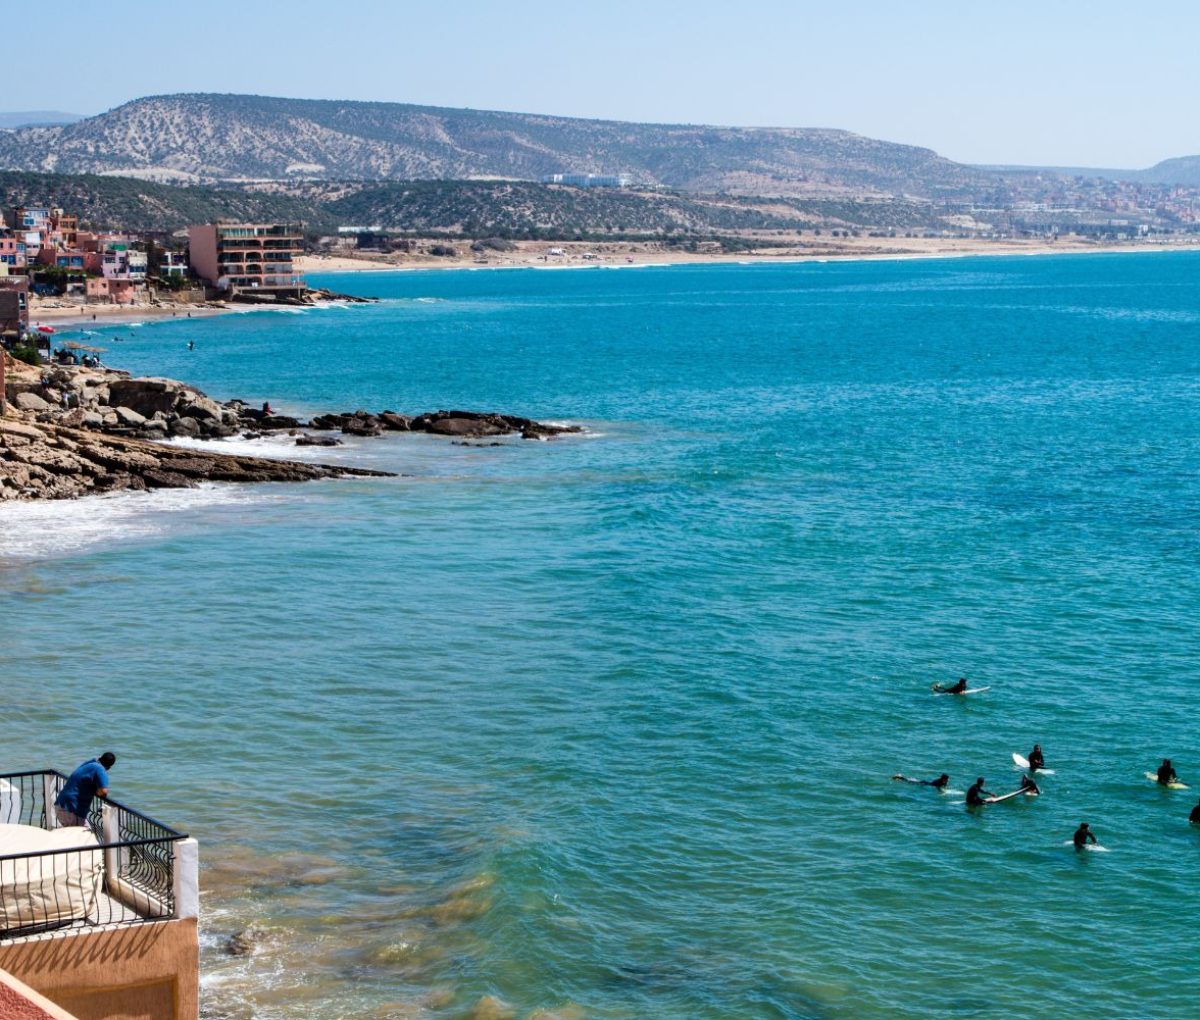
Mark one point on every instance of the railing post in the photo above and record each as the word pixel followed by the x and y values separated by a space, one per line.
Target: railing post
pixel 187 877
pixel 49 793
pixel 110 830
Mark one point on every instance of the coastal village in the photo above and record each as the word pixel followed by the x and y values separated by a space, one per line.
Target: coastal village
pixel 45 255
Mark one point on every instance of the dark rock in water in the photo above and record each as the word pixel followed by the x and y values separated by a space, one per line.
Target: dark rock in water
pixel 318 441
pixel 362 426
pixel 242 943
pixel 395 422
pixel 329 421
pixel 278 421
pixel 185 427
pixel 458 426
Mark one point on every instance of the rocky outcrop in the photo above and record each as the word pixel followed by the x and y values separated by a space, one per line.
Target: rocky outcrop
pixel 40 460
pixel 74 430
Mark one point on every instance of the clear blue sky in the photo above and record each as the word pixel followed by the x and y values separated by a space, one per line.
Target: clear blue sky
pixel 1012 81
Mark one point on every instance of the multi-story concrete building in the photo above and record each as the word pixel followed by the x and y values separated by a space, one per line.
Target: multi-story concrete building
pixel 12 250
pixel 14 305
pixel 248 258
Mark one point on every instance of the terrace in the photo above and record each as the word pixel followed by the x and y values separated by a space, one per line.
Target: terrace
pixel 99 919
pixel 122 868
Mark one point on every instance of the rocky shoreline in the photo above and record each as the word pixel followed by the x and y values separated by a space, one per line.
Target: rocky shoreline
pixel 70 431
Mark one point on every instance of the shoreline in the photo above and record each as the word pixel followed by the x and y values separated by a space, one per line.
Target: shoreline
pixel 85 316
pixel 530 257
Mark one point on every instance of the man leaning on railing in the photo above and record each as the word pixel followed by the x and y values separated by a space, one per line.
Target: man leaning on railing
pixel 88 781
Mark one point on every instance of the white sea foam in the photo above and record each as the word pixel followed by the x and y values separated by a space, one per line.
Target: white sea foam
pixel 41 529
pixel 279 446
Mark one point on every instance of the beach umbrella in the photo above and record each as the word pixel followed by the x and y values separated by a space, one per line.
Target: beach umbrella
pixel 45 329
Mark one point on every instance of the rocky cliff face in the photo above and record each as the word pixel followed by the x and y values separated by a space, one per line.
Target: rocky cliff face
pixel 205 137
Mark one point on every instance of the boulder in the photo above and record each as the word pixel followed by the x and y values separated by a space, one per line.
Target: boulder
pixel 362 426
pixel 277 421
pixel 395 422
pixel 472 427
pixel 185 426
pixel 318 441
pixel 31 402
pixel 128 417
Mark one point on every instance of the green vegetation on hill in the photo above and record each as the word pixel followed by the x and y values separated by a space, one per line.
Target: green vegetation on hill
pixel 115 203
pixel 467 208
pixel 524 210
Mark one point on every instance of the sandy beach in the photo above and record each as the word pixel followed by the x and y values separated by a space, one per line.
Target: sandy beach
pixel 578 254
pixel 57 312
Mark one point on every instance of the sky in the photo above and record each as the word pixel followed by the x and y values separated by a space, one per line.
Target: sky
pixel 1056 82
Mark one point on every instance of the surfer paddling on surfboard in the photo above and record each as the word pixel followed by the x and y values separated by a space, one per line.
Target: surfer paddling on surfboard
pixel 958 688
pixel 977 795
pixel 940 783
pixel 1166 773
pixel 1082 835
pixel 1029 787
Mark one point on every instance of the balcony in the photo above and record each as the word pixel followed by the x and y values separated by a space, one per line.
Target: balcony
pixel 122 868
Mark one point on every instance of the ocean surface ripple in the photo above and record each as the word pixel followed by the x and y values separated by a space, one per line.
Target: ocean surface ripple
pixel 604 727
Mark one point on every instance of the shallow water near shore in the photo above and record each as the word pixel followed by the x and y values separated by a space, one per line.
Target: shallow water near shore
pixel 605 726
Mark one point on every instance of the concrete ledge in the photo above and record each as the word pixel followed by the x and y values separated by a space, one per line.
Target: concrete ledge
pixel 133 972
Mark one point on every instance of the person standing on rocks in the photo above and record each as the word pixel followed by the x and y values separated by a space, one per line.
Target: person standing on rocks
pixel 86 783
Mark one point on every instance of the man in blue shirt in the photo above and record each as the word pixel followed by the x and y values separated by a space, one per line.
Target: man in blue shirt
pixel 88 781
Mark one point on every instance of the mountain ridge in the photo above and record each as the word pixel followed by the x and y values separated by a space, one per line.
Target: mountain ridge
pixel 213 137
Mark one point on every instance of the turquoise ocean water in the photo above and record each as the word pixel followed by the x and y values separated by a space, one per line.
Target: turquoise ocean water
pixel 604 726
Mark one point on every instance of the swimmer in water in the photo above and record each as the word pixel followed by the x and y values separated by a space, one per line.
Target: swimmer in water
pixel 940 783
pixel 1082 835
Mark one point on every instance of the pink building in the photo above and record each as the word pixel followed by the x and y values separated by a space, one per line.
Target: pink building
pixel 248 258
pixel 12 251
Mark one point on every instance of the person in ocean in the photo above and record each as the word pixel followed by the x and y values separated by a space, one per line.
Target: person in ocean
pixel 1030 787
pixel 940 783
pixel 87 782
pixel 1036 758
pixel 1194 817
pixel 958 688
pixel 976 794
pixel 1166 773
pixel 191 345
pixel 1082 835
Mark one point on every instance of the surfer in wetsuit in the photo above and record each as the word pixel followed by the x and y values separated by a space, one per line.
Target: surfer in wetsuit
pixel 958 688
pixel 940 783
pixel 1194 817
pixel 1166 773
pixel 1036 759
pixel 1030 787
pixel 976 794
pixel 1082 835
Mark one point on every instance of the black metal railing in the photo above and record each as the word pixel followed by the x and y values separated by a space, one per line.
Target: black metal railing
pixel 119 868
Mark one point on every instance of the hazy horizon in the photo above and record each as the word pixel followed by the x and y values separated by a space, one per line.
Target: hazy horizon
pixel 1038 87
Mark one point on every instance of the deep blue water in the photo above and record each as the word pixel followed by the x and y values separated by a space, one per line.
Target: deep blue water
pixel 606 725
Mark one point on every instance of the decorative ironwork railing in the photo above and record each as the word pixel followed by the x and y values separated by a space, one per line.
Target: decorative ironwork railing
pixel 119 868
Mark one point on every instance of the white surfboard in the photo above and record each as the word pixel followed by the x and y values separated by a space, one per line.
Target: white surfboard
pixel 969 690
pixel 1008 796
pixel 1023 762
pixel 1153 777
pixel 1094 848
